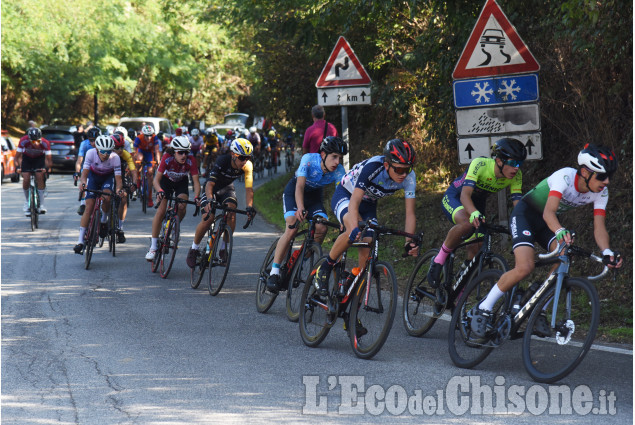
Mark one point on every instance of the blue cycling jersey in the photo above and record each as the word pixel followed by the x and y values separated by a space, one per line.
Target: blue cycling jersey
pixel 372 177
pixel 84 147
pixel 311 168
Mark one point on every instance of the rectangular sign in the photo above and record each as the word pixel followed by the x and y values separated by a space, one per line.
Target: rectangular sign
pixel 505 119
pixel 344 96
pixel 473 147
pixel 495 91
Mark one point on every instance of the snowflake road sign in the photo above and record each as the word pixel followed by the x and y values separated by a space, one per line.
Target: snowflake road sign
pixel 495 91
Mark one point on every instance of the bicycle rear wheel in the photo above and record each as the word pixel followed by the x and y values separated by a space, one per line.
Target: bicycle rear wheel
pixel 550 357
pixel 264 298
pixel 467 350
pixel 33 208
pixel 91 236
pixel 112 234
pixel 371 317
pixel 420 310
pixel 220 263
pixel 170 245
pixel 314 319
pixel 202 259
pixel 156 261
pixel 299 276
pixel 144 192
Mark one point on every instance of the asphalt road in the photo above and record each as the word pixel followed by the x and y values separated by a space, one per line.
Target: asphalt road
pixel 117 344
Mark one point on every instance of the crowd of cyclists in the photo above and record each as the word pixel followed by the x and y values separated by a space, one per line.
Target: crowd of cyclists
pixel 110 163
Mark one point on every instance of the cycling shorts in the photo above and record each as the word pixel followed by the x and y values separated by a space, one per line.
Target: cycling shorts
pixel 223 196
pixel 174 188
pixel 29 163
pixel 339 205
pixel 147 155
pixel 527 227
pixel 451 203
pixel 97 182
pixel 313 201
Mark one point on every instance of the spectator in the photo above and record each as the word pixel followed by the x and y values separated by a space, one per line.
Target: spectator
pixel 79 136
pixel 320 129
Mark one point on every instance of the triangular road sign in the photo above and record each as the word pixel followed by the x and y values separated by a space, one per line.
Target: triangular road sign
pixel 342 69
pixel 494 48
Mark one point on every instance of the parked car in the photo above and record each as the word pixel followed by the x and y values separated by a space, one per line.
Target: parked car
pixel 160 125
pixel 232 122
pixel 8 154
pixel 62 144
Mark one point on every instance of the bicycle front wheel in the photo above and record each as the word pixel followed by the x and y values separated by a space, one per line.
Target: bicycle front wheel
pixel 33 208
pixel 221 258
pixel 373 311
pixel 202 260
pixel 112 236
pixel 170 245
pixel 419 299
pixel 91 236
pixel 550 354
pixel 264 298
pixel 144 192
pixel 299 276
pixel 466 349
pixel 315 323
pixel 158 255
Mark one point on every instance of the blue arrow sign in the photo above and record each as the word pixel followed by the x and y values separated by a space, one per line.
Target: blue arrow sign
pixel 495 91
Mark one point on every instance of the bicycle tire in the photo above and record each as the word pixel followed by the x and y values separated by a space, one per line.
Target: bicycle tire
pixel 419 298
pixel 202 260
pixel 170 245
pixel 578 314
pixel 264 298
pixel 377 316
pixel 465 350
pixel 144 194
pixel 156 261
pixel 91 237
pixel 112 234
pixel 298 278
pixel 314 321
pixel 218 269
pixel 33 208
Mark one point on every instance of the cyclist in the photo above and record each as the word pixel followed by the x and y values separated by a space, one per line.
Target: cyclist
pixel 148 146
pixel 172 177
pixel 254 139
pixel 211 148
pixel 272 142
pixel 33 152
pixel 92 134
pixel 535 219
pixel 127 168
pixel 303 196
pixel 355 199
pixel 101 171
pixel 196 141
pixel 220 186
pixel 464 201
pixel 127 140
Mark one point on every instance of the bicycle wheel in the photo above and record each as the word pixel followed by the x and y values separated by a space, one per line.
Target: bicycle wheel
pixel 91 236
pixel 156 261
pixel 112 234
pixel 202 259
pixel 144 192
pixel 314 319
pixel 170 245
pixel 264 298
pixel 219 266
pixel 371 317
pixel 33 208
pixel 299 276
pixel 550 357
pixel 466 350
pixel 419 299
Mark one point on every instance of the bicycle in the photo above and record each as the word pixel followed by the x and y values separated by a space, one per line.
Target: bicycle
pixel 113 225
pixel 289 160
pixel 91 237
pixel 293 273
pixel 423 305
pixel 143 190
pixel 210 256
pixel 34 198
pixel 367 301
pixel 168 241
pixel 562 316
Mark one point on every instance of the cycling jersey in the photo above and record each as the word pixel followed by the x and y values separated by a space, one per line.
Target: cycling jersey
pixel 147 144
pixel 311 168
pixel 481 176
pixel 84 147
pixel 127 159
pixel 223 174
pixel 211 141
pixel 564 184
pixel 372 177
pixel 33 150
pixel 196 143
pixel 171 169
pixel 101 168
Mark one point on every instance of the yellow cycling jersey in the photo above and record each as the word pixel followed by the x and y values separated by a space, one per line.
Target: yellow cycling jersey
pixel 127 159
pixel 211 140
pixel 248 168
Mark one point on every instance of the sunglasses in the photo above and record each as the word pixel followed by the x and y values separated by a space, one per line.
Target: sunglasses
pixel 603 176
pixel 182 152
pixel 118 149
pixel 104 152
pixel 243 157
pixel 513 163
pixel 401 170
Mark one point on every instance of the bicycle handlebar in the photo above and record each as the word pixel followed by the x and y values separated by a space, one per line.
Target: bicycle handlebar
pixel 372 224
pixel 486 228
pixel 180 200
pixel 318 220
pixel 216 205
pixel 97 192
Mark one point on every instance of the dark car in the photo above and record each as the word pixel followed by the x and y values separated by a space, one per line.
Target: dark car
pixel 62 144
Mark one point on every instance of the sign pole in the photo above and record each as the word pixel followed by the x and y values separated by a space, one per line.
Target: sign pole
pixel 345 134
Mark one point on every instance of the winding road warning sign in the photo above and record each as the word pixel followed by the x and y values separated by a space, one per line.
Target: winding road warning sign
pixel 343 69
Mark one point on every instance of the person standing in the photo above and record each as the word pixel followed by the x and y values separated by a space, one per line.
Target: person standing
pixel 319 131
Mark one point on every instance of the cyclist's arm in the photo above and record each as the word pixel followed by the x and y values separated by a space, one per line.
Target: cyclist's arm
pixel 411 217
pixel 197 185
pixel 78 164
pixel 84 177
pixel 17 160
pixel 209 190
pixel 550 217
pixel 466 199
pixel 157 153
pixel 48 161
pixel 353 205
pixel 299 193
pixel 602 236
pixel 118 183
pixel 156 183
pixel 249 196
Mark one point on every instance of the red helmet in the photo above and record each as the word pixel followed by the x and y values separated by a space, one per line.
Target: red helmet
pixel 400 152
pixel 229 132
pixel 119 139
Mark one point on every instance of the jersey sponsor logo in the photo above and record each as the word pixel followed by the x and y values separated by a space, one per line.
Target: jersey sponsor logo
pixel 526 233
pixel 513 227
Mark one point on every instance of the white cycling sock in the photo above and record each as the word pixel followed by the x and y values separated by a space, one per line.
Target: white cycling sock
pixel 40 194
pixel 275 270
pixel 492 297
pixel 121 225
pixel 104 216
pixel 153 246
pixel 194 245
pixel 26 194
pixel 82 232
pixel 83 201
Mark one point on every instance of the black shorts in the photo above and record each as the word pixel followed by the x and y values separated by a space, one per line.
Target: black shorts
pixel 174 188
pixel 29 163
pixel 224 195
pixel 313 201
pixel 527 227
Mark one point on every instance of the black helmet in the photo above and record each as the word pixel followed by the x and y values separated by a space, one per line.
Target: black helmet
pixel 396 150
pixel 599 159
pixel 132 133
pixel 34 133
pixel 93 133
pixel 332 144
pixel 508 148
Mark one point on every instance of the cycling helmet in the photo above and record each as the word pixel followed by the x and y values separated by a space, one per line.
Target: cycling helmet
pixel 121 130
pixel 34 133
pixel 271 133
pixel 252 129
pixel 245 133
pixel 105 143
pixel 332 144
pixel 147 130
pixel 242 147
pixel 119 139
pixel 400 152
pixel 508 148
pixel 229 132
pixel 93 133
pixel 599 159
pixel 180 143
pixel 195 132
pixel 132 133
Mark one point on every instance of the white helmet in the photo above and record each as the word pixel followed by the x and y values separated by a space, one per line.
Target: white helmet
pixel 147 130
pixel 122 130
pixel 245 133
pixel 104 143
pixel 252 129
pixel 195 132
pixel 180 143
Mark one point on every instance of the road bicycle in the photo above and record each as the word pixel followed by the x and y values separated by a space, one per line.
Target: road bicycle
pixel 143 190
pixel 91 236
pixel 423 305
pixel 289 159
pixel 366 301
pixel 169 236
pixel 210 255
pixel 557 319
pixel 294 270
pixel 113 225
pixel 34 198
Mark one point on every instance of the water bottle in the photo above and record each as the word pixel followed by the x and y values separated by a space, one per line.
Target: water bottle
pixel 517 304
pixel 461 269
pixel 347 280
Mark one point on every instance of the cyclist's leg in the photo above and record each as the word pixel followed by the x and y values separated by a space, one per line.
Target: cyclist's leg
pixel 181 190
